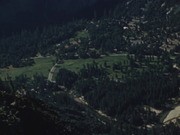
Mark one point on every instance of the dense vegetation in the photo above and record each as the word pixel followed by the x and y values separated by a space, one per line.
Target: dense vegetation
pixel 123 97
pixel 24 110
pixel 131 65
pixel 29 14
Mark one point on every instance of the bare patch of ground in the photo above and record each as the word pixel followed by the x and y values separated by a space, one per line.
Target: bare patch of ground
pixel 173 115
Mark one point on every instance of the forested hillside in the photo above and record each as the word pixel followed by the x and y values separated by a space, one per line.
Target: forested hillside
pixel 115 70
pixel 16 15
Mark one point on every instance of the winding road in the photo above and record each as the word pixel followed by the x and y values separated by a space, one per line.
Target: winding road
pixel 51 74
pixel 80 100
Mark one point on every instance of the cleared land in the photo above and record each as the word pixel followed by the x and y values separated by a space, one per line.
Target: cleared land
pixel 76 65
pixel 41 66
pixel 173 115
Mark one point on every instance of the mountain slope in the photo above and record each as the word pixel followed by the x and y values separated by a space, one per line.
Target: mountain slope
pixel 25 115
pixel 25 14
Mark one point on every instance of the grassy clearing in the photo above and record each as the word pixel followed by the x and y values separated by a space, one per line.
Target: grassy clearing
pixel 42 66
pixel 80 35
pixel 76 65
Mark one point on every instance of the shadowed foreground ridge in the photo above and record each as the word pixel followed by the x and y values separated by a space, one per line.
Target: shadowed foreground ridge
pixel 28 116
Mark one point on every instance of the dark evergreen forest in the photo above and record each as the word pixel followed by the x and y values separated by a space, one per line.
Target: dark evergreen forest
pixel 29 14
pixel 110 98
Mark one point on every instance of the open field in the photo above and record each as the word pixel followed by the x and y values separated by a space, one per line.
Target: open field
pixel 41 66
pixel 76 65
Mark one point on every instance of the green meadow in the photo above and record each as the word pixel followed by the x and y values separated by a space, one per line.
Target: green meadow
pixel 41 66
pixel 76 65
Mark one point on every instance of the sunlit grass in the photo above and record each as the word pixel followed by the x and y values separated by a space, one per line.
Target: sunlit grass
pixel 41 66
pixel 76 65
